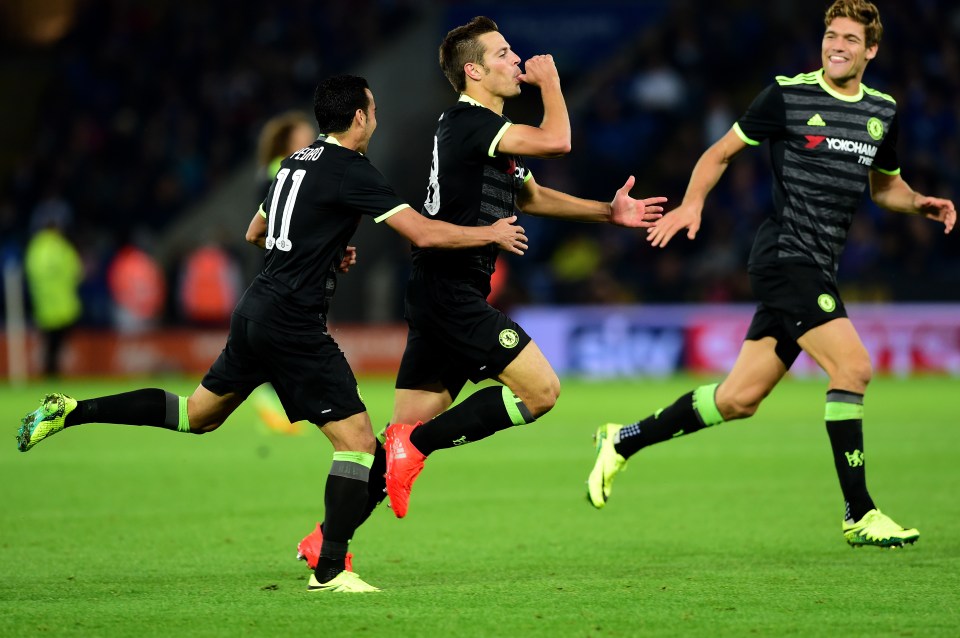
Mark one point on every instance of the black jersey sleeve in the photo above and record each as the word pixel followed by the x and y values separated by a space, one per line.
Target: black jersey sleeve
pixel 764 118
pixel 365 190
pixel 477 130
pixel 265 204
pixel 886 160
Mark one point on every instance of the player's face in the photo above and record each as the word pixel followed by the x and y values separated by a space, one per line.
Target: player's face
pixel 371 124
pixel 844 52
pixel 501 65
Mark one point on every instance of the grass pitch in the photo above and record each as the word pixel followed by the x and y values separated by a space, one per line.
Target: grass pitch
pixel 110 530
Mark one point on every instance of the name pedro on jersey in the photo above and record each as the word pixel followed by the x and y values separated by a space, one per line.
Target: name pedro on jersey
pixel 308 154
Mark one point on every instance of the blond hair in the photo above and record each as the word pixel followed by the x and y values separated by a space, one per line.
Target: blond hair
pixel 274 140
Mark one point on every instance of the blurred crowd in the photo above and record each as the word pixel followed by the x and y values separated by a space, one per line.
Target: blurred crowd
pixel 150 106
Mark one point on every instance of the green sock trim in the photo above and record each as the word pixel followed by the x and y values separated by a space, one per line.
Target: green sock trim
pixel 706 406
pixel 360 458
pixel 517 411
pixel 183 421
pixel 843 411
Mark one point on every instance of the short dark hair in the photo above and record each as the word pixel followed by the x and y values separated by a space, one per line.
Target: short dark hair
pixel 461 46
pixel 862 11
pixel 336 101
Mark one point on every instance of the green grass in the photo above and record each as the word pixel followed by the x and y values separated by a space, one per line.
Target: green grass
pixel 120 531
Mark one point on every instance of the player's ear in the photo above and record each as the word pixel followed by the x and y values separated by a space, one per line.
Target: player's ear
pixel 872 51
pixel 472 71
pixel 360 118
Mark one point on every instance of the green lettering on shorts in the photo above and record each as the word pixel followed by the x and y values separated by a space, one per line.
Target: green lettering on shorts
pixel 509 338
pixel 826 303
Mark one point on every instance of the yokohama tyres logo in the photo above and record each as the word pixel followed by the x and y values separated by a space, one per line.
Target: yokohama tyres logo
pixel 837 144
pixel 866 151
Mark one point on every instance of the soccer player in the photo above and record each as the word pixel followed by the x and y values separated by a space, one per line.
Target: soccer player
pixel 476 178
pixel 278 330
pixel 830 136
pixel 280 137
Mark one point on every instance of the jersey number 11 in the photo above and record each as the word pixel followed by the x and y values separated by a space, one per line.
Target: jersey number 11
pixel 282 241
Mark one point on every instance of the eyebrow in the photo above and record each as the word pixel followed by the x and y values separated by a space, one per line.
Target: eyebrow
pixel 843 35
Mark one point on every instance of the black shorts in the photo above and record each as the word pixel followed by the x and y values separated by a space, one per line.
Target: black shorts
pixel 454 334
pixel 309 372
pixel 794 298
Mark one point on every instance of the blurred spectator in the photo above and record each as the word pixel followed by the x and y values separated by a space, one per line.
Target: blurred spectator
pixel 280 136
pixel 210 286
pixel 138 288
pixel 53 272
pixel 658 87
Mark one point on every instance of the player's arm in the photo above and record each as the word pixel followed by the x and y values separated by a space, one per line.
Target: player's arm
pixel 623 210
pixel 257 230
pixel 552 137
pixel 707 172
pixel 891 191
pixel 433 233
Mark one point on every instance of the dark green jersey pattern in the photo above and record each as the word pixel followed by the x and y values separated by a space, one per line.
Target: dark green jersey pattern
pixel 470 184
pixel 313 207
pixel 822 147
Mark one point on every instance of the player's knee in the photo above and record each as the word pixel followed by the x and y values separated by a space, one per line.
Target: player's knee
pixel 544 397
pixel 740 405
pixel 204 426
pixel 738 410
pixel 364 441
pixel 854 374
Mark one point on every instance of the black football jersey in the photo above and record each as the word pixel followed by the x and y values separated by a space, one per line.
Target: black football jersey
pixel 822 146
pixel 470 183
pixel 312 208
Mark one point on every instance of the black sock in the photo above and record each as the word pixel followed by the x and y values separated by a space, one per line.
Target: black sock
pixel 679 417
pixel 151 406
pixel 377 483
pixel 690 413
pixel 846 439
pixel 480 415
pixel 376 491
pixel 344 500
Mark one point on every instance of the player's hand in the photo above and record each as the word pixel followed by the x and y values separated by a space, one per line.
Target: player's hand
pixel 683 216
pixel 540 70
pixel 940 210
pixel 634 213
pixel 349 259
pixel 509 236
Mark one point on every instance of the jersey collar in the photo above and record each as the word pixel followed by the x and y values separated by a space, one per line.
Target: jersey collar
pixel 840 96
pixel 469 100
pixel 329 139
